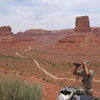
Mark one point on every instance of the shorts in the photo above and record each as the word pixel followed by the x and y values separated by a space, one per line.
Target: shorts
pixel 89 92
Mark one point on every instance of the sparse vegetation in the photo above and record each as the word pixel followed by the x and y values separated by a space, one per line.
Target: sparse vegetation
pixel 97 98
pixel 16 89
pixel 52 64
pixel 9 56
pixel 57 65
pixel 96 64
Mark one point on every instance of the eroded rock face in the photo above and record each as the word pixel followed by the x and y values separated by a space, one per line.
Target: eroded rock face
pixel 5 31
pixel 96 31
pixel 82 24
pixel 77 38
pixel 81 38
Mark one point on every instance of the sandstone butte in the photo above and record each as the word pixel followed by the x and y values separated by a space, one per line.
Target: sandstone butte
pixel 82 33
pixel 75 35
pixel 6 31
pixel 82 24
pixel 7 36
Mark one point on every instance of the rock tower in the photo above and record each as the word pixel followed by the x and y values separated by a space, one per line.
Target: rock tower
pixel 82 24
pixel 5 31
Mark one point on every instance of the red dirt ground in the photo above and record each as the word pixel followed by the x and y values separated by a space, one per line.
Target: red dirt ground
pixel 55 58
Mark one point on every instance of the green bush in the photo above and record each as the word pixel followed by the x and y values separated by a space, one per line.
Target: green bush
pixel 16 89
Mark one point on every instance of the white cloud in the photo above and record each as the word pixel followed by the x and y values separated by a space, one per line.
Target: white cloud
pixel 52 1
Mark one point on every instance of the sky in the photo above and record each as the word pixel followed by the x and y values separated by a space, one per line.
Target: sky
pixel 22 15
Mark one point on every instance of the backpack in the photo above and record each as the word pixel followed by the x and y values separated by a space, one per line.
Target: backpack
pixel 71 93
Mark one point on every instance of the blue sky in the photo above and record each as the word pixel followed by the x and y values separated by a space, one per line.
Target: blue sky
pixel 47 14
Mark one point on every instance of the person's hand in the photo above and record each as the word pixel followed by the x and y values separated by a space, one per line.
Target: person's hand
pixel 83 62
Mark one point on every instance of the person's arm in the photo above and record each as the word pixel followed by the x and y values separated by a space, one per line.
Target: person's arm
pixel 75 70
pixel 86 69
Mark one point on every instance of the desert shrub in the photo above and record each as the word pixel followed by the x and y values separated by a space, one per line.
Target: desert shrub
pixel 16 89
pixel 10 56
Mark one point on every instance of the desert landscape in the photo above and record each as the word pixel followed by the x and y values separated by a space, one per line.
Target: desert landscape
pixel 47 56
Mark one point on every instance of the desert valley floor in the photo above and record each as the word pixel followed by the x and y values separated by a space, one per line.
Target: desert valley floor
pixel 56 59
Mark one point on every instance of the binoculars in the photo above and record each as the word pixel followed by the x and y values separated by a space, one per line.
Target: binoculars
pixel 77 64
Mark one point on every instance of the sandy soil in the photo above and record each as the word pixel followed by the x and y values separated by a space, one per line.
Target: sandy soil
pixel 57 59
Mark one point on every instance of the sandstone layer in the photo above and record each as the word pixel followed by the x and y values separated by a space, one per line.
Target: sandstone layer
pixel 82 39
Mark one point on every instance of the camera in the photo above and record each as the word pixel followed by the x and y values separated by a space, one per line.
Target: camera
pixel 77 64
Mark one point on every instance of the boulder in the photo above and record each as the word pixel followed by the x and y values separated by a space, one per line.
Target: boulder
pixel 82 24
